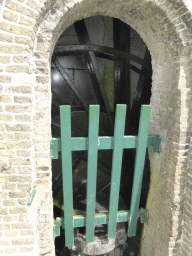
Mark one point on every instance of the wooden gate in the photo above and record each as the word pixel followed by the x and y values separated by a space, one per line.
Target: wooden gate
pixel 66 144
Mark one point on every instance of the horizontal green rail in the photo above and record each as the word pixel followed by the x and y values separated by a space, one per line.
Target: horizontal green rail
pixel 100 218
pixel 79 143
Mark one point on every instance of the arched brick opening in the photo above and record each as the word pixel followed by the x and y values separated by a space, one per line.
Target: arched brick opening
pixel 28 38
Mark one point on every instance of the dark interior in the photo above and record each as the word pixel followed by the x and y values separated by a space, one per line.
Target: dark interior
pixel 79 79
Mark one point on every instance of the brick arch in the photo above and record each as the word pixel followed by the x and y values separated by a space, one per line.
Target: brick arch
pixel 171 20
pixel 29 32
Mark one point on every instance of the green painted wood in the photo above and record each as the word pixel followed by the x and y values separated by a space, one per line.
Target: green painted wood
pixel 31 197
pixel 94 143
pixel 66 154
pixel 116 168
pixel 55 148
pixel 139 166
pixel 92 171
pixel 79 143
pixel 57 225
pixel 156 143
pixel 100 218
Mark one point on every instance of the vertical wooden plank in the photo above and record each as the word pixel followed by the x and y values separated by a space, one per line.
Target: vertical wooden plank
pixel 65 122
pixel 139 165
pixel 116 168
pixel 92 171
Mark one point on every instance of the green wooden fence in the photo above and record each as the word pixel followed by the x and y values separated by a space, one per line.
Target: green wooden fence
pixel 66 144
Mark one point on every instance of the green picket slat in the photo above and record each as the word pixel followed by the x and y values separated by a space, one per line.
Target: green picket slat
pixel 116 168
pixel 92 171
pixel 65 122
pixel 139 166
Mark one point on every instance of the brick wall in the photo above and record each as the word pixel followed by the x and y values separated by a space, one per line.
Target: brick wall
pixel 29 30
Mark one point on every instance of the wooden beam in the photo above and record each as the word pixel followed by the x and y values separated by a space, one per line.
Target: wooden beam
pixel 121 35
pixel 93 68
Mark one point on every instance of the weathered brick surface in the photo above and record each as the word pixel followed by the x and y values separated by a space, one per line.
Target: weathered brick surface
pixel 6 37
pixel 21 99
pixel 4 59
pixel 10 218
pixel 18 69
pixel 5 99
pixel 8 153
pixel 26 22
pixel 4 179
pixel 26 249
pixel 10 250
pixel 23 186
pixel 13 49
pixel 3 195
pixel 42 79
pixel 17 109
pixel 5 243
pixel 22 241
pixel 14 210
pixel 15 29
pixel 9 186
pixel 23 153
pixel 21 9
pixel 8 15
pixel 5 79
pixel 23 136
pixel 18 127
pixel 23 118
pixel 27 232
pixel 3 211
pixel 17 194
pixel 4 226
pixel 6 118
pixel 26 170
pixel 20 59
pixel 17 89
pixel 21 226
pixel 11 233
